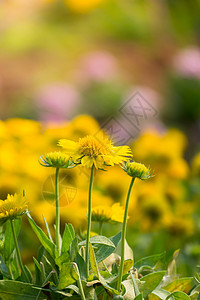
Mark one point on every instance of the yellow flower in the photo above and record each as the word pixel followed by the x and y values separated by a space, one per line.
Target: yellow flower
pixel 178 169
pixel 138 170
pixel 14 206
pixel 196 165
pixel 56 160
pixel 90 150
pixel 81 6
pixel 107 214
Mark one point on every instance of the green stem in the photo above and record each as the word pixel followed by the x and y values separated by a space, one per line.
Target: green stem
pixel 79 282
pixel 89 221
pixel 100 228
pixel 17 251
pixel 124 236
pixel 57 211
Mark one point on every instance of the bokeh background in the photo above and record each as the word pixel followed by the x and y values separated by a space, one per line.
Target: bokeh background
pixel 71 67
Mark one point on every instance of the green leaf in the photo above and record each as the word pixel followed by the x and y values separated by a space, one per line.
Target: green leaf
pixel 81 266
pixel 9 244
pixel 48 230
pixel 44 240
pixel 68 236
pixel 104 251
pixel 127 265
pixel 95 268
pixel 151 281
pixel 4 269
pixel 40 253
pixel 98 239
pixel 74 249
pixel 38 278
pixel 63 258
pixel 28 273
pixel 90 293
pixel 162 294
pixel 178 296
pixel 16 290
pixel 93 262
pixel 149 261
pixel 139 297
pixel 182 284
pixel 67 275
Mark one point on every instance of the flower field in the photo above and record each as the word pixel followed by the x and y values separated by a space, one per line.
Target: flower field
pixel 162 213
pixel 99 150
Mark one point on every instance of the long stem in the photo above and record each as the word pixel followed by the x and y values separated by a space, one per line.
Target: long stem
pixel 17 251
pixel 124 236
pixel 89 221
pixel 79 282
pixel 57 211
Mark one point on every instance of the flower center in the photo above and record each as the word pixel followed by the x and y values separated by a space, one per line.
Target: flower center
pixel 91 146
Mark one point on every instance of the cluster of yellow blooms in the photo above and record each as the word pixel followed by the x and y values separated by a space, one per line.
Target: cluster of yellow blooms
pixel 160 203
pixel 79 6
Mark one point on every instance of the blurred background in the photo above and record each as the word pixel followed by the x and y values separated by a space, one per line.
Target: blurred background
pixel 71 67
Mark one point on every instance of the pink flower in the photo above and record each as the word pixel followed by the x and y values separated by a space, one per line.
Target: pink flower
pixel 99 66
pixel 187 62
pixel 57 102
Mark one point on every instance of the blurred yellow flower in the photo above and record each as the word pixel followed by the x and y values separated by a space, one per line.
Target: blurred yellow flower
pixel 159 148
pixel 107 214
pixel 15 205
pixel 196 165
pixel 22 127
pixel 100 152
pixel 178 169
pixel 82 6
pixel 181 226
pixel 154 213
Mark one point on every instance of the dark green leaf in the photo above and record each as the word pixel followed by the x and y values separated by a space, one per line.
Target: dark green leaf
pixel 38 280
pixel 151 281
pixel 16 290
pixel 81 266
pixel 44 240
pixel 9 244
pixel 28 273
pixel 104 251
pixel 68 236
pixel 74 249
pixel 98 239
pixel 150 261
pixel 67 275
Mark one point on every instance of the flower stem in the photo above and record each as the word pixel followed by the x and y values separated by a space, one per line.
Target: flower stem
pixel 57 211
pixel 17 251
pixel 124 236
pixel 89 221
pixel 79 282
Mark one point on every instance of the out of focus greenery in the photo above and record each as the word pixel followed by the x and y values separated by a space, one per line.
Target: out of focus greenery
pixel 60 59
